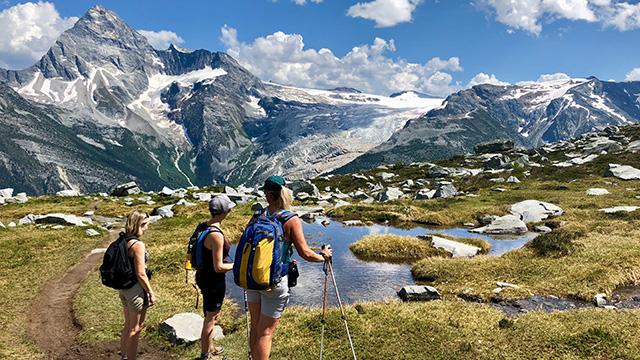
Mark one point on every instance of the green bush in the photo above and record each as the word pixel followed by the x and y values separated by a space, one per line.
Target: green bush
pixel 558 243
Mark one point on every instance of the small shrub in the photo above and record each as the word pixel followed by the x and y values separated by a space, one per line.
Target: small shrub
pixel 506 324
pixel 558 243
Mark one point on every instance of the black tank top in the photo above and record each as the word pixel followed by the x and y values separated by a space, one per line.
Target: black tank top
pixel 208 274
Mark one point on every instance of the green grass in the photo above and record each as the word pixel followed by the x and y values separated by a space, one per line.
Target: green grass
pixel 30 259
pixel 394 248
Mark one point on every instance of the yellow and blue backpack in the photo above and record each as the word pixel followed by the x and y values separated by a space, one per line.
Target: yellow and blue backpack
pixel 262 258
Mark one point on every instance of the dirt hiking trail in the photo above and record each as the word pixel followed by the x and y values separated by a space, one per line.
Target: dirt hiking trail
pixel 52 325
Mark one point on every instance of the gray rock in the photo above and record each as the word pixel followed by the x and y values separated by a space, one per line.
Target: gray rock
pixel 323 203
pixel 359 195
pixel 513 180
pixel 389 193
pixel 2 201
pixel 341 203
pixel 193 188
pixel 63 219
pixel 359 177
pixel 499 189
pixel 180 202
pixel 425 194
pixel 455 248
pixel 596 192
pixel 57 227
pixel 27 220
pixel 6 193
pixel 622 172
pixel 368 200
pixel 202 196
pixel 535 210
pixel 542 229
pixel 600 300
pixel 385 176
pixel 494 146
pixel 496 162
pixel 507 224
pixel 11 224
pixel 503 285
pixel 304 186
pixel 67 193
pixel 616 209
pixel 166 192
pixel 2 225
pixel 88 213
pixel 92 232
pixel 419 293
pixel 164 211
pixel 601 144
pixel 497 180
pixel 445 191
pixel 486 219
pixel 436 172
pixel 20 198
pixel 127 189
pixel 407 183
pixel 230 190
pixel 376 187
pixel 302 196
pixel 181 193
pixel 186 328
pixel 634 146
pixel 422 182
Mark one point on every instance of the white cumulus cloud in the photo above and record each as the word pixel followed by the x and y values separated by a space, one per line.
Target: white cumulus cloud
pixel 385 13
pixel 282 58
pixel 634 75
pixel 553 77
pixel 483 78
pixel 528 15
pixel 27 31
pixel 161 39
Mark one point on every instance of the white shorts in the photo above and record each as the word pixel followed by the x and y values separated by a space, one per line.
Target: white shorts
pixel 272 303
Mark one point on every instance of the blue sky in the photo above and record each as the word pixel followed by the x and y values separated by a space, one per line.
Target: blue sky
pixel 377 46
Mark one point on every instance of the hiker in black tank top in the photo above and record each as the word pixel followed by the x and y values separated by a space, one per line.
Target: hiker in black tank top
pixel 211 280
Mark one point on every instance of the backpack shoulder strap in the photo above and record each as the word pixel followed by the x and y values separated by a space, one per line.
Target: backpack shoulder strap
pixel 284 215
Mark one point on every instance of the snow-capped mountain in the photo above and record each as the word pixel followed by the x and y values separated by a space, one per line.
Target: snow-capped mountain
pixel 186 116
pixel 531 114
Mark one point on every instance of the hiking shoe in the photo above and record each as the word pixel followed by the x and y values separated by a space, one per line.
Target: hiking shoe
pixel 215 357
pixel 216 350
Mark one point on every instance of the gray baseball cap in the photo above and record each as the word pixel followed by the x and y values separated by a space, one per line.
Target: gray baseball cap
pixel 220 204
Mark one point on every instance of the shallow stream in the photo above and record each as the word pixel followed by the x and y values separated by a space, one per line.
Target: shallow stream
pixel 357 280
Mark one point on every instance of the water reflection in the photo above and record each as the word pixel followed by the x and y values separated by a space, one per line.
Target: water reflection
pixel 357 280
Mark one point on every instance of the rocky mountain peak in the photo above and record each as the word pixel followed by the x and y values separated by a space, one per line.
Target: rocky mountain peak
pixel 99 39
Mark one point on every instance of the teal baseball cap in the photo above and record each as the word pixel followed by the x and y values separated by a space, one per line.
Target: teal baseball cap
pixel 273 183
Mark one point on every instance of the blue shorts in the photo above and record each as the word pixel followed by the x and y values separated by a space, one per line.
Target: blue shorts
pixel 272 303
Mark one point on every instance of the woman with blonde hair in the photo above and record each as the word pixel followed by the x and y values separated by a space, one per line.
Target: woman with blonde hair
pixel 138 298
pixel 266 307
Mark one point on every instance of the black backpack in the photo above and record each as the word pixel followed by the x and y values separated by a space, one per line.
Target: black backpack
pixel 117 269
pixel 196 243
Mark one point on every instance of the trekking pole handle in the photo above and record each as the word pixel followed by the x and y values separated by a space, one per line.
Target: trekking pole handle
pixel 326 258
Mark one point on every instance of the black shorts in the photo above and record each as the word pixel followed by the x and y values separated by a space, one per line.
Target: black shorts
pixel 212 295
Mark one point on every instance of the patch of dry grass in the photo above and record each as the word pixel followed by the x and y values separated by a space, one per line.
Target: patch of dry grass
pixel 394 248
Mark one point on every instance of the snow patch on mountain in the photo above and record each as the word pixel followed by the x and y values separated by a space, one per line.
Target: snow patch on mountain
pixel 90 141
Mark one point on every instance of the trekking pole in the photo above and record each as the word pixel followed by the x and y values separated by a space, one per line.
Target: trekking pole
pixel 324 302
pixel 333 278
pixel 246 311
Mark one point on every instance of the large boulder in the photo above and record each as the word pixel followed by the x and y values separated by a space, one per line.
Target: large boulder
pixel 389 193
pixel 596 192
pixel 127 189
pixel 419 293
pixel 303 186
pixel 63 219
pixel 456 249
pixel 494 146
pixel 6 193
pixel 505 225
pixel 601 144
pixel 186 328
pixel 633 147
pixel 497 162
pixel 535 210
pixel 67 193
pixel 622 172
pixel 164 211
pixel 436 172
pixel 445 191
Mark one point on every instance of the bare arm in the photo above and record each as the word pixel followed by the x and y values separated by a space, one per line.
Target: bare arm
pixel 293 232
pixel 215 242
pixel 137 252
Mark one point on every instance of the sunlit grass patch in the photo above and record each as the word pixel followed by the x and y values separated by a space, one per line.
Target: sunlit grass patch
pixel 30 259
pixel 394 248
